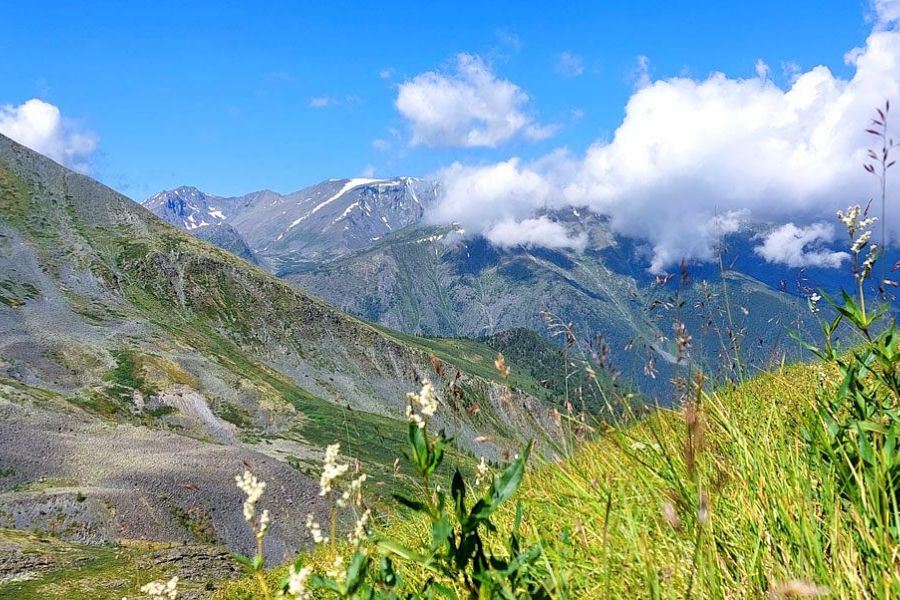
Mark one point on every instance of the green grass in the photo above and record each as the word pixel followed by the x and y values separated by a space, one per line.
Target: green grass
pixel 772 518
pixel 80 572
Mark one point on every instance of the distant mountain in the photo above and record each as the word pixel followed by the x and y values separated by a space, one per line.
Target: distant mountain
pixel 363 245
pixel 301 230
pixel 141 368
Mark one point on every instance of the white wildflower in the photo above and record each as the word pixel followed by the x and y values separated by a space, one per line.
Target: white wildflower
pixel 867 222
pixel 866 269
pixel 482 473
pixel 158 590
pixel 814 303
pixel 315 529
pixel 353 494
pixel 359 532
pixel 332 469
pixel 427 403
pixel 264 522
pixel 254 489
pixel 850 219
pixel 860 242
pixel 336 571
pixel 296 584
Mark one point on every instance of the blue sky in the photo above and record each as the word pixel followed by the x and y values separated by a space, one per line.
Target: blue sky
pixel 218 94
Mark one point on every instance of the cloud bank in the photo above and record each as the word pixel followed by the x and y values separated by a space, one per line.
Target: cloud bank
pixel 693 158
pixel 466 107
pixel 41 126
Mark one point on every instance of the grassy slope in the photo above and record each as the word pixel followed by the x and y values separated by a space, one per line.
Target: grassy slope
pixel 600 513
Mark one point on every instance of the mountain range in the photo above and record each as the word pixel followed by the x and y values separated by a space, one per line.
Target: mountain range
pixel 367 247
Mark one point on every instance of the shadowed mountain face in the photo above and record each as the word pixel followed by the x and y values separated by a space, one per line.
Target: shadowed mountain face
pixel 133 354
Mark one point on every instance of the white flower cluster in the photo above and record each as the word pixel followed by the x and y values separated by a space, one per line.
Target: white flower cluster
pixel 814 302
pixel 332 469
pixel 254 489
pixel 426 402
pixel 360 532
pixel 296 587
pixel 336 571
pixel 315 530
pixel 852 222
pixel 353 494
pixel 860 242
pixel 158 590
pixel 483 472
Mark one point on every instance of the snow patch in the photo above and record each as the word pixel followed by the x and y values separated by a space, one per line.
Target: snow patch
pixel 352 183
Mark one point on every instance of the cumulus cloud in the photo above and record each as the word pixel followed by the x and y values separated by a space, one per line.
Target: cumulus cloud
pixel 801 246
pixel 468 106
pixel 539 231
pixel 569 65
pixel 41 126
pixel 691 150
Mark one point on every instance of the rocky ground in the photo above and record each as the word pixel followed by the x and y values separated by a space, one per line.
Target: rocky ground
pixel 82 479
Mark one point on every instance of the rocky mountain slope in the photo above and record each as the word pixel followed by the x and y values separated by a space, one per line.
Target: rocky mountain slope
pixel 141 368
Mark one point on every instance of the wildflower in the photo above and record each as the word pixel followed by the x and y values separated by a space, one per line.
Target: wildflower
pixel 850 219
pixel 483 472
pixel 315 529
pixel 336 572
pixel 814 303
pixel 296 583
pixel 158 590
pixel 860 242
pixel 254 489
pixel 264 522
pixel 359 531
pixel 332 469
pixel 427 403
pixel 866 269
pixel 353 493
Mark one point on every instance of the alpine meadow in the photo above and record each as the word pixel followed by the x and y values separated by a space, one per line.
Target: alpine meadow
pixel 552 302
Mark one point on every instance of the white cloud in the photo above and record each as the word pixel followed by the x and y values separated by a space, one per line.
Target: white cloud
pixel 386 73
pixel 321 101
pixel 468 107
pixel 368 171
pixel 569 65
pixel 641 72
pixel 41 126
pixel 534 232
pixel 326 101
pixel 801 246
pixel 691 149
pixel 886 13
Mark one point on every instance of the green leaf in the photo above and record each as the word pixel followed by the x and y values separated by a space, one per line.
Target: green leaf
pixel 506 485
pixel 409 503
pixel 458 491
pixel 356 572
pixel 388 546
pixel 419 447
pixel 440 532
